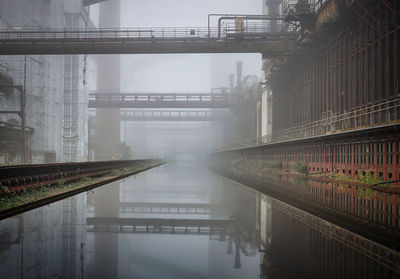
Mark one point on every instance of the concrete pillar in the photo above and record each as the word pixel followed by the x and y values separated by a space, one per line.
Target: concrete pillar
pixel 107 146
pixel 107 142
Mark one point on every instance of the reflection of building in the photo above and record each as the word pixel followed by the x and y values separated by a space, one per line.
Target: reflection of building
pixel 265 222
pixel 243 242
pixel 304 246
pixel 373 210
pixel 48 240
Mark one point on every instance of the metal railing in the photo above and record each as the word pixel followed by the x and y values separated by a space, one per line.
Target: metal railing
pixel 166 114
pixel 132 34
pixel 290 6
pixel 370 116
pixel 164 97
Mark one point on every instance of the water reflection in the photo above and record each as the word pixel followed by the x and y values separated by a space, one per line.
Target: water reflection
pixel 167 225
pixel 181 222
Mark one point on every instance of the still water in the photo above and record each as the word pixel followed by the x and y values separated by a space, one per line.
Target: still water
pixel 177 221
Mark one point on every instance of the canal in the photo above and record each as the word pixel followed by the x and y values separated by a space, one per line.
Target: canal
pixel 183 221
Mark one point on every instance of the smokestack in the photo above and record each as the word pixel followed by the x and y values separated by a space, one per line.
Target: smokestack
pixel 239 69
pixel 231 82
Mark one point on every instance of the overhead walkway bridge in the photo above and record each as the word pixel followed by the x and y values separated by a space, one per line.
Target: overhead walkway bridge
pixel 170 115
pixel 164 100
pixel 251 39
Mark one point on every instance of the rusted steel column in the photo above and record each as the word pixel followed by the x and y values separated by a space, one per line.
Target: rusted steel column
pixel 385 160
pixel 396 56
pixel 395 158
pixel 376 159
pixel 386 57
pixel 379 64
pixel 352 160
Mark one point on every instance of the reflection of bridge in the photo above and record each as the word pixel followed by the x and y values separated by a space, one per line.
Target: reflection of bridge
pixel 164 100
pixel 158 127
pixel 156 225
pixel 146 40
pixel 176 194
pixel 166 208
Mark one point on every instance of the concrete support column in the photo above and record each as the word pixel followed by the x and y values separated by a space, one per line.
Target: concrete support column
pixel 107 140
pixel 107 145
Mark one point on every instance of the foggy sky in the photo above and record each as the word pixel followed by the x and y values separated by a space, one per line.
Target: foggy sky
pixel 180 72
pixel 184 73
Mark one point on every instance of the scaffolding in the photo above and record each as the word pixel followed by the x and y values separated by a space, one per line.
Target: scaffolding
pixel 56 98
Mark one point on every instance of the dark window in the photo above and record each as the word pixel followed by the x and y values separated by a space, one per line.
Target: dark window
pixel 356 153
pixel 349 154
pixel 381 153
pixel 371 155
pixel 389 153
pixel 363 154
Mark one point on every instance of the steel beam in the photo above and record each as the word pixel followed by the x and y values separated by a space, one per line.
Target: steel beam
pixel 142 41
pixel 152 100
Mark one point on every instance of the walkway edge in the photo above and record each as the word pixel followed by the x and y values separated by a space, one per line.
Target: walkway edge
pixel 41 202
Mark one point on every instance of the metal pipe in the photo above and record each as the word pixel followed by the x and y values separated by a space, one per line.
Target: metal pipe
pixel 210 15
pixel 246 17
pixel 233 16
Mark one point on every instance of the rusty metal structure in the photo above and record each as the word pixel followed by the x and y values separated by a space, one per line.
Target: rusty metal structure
pixel 335 101
pixel 147 40
pixel 371 213
pixel 321 249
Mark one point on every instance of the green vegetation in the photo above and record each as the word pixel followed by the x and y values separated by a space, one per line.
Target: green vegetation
pixel 366 192
pixel 276 165
pixel 369 179
pixel 301 167
pixel 26 196
pixel 10 200
pixel 338 176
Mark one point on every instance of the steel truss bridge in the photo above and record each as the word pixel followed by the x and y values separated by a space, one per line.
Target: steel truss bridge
pixel 251 39
pixel 166 208
pixel 164 100
pixel 157 225
pixel 169 115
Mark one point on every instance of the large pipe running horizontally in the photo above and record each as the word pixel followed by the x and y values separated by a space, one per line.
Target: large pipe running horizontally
pixel 234 16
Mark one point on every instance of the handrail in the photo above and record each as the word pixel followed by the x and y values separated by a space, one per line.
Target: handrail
pixel 165 97
pixel 369 116
pixel 144 33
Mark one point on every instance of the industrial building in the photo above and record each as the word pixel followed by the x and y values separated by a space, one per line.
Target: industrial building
pixel 55 87
pixel 263 144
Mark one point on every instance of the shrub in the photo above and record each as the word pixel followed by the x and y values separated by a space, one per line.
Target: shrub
pixel 276 165
pixel 338 176
pixel 369 179
pixel 301 168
